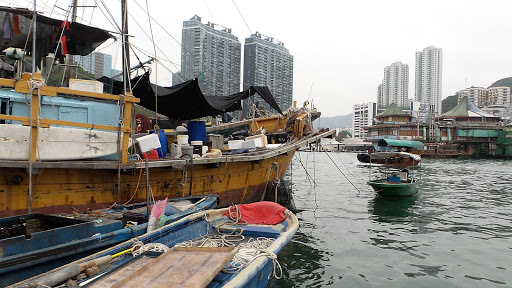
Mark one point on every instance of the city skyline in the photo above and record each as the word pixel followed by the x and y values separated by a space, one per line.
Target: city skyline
pixel 339 47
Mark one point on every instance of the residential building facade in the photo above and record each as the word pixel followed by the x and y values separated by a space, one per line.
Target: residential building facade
pixel 395 86
pixel 213 55
pixel 363 115
pixel 97 63
pixel 428 77
pixel 267 63
pixel 486 97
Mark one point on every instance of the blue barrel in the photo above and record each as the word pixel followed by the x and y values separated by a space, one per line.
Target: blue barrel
pixel 163 142
pixel 196 131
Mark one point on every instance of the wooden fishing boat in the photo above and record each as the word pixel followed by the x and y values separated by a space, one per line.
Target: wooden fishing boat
pixel 394 159
pixel 37 183
pixel 249 260
pixel 35 243
pixel 396 153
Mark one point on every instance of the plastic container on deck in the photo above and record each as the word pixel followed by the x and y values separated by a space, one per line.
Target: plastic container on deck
pixel 162 151
pixel 235 144
pixel 182 139
pixel 197 130
pixel 188 150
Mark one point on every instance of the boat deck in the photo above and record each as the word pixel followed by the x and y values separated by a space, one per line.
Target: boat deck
pixel 171 269
pixel 179 164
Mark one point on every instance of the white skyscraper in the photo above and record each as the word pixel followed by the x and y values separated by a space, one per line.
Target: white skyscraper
pixel 395 86
pixel 429 66
pixel 363 115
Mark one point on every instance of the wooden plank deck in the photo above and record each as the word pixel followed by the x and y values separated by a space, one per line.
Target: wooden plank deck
pixel 178 267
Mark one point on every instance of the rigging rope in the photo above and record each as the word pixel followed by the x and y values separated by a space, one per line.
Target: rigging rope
pixel 359 191
pixel 156 71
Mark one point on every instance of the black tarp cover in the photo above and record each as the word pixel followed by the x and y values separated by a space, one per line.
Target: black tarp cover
pixel 185 101
pixel 81 39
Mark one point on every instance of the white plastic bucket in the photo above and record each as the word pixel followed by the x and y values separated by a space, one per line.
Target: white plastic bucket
pixel 182 139
pixel 205 150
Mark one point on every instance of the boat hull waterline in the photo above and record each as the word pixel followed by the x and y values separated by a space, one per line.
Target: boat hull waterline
pixel 385 188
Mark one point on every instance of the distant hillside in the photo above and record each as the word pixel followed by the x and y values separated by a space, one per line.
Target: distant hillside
pixel 334 122
pixel 507 82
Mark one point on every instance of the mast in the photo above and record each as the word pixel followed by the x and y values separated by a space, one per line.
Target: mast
pixel 126 49
pixel 34 40
pixel 69 58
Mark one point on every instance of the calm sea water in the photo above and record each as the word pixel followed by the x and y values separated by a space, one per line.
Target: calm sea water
pixel 456 232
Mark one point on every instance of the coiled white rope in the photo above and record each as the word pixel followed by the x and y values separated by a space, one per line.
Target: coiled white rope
pixel 140 248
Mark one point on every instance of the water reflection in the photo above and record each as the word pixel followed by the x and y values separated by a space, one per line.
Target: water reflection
pixel 388 209
pixel 302 263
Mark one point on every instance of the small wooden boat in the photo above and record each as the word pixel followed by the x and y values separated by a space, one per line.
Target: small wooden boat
pixel 388 187
pixel 395 184
pixel 394 159
pixel 35 243
pixel 188 253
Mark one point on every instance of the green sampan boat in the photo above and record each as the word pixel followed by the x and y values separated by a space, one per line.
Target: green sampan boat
pixel 402 185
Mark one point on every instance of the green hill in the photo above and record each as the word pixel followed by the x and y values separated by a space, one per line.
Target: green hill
pixel 507 82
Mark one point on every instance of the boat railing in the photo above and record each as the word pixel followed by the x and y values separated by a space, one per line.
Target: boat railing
pixel 24 86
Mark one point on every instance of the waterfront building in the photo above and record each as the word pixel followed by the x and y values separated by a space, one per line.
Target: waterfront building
pixel 428 77
pixel 475 130
pixel 97 63
pixel 363 115
pixel 394 123
pixel 267 63
pixel 395 86
pixel 213 55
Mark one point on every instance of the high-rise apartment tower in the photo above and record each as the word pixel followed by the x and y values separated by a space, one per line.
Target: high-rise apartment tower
pixel 268 63
pixel 395 86
pixel 429 66
pixel 211 54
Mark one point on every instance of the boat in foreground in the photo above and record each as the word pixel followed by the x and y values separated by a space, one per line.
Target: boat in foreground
pixel 191 252
pixel 35 243
pixel 385 187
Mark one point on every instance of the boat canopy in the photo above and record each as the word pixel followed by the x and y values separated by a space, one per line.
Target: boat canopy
pixel 79 39
pixel 401 143
pixel 388 155
pixel 185 101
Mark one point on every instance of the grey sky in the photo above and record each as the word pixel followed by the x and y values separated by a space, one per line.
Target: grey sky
pixel 340 48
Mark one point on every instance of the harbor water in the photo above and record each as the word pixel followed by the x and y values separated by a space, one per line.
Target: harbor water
pixel 456 232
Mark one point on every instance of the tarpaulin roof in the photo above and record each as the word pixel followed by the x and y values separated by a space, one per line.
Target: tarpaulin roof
pixel 80 39
pixel 185 101
pixel 401 143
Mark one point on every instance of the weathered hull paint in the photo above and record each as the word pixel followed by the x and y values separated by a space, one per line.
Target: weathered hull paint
pixel 56 190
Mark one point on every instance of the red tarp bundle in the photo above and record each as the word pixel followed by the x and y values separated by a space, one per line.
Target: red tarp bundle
pixel 264 212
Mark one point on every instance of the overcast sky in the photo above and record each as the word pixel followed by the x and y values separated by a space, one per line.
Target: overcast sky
pixel 340 48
